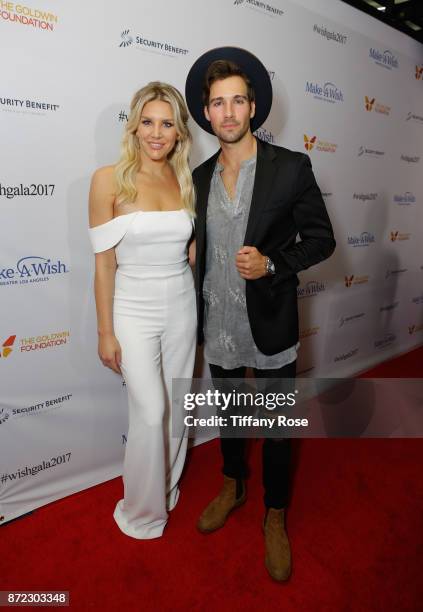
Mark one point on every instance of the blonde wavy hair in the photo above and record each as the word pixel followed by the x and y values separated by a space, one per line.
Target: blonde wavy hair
pixel 129 162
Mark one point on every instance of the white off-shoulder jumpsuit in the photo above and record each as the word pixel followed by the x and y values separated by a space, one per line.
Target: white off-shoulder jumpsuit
pixel 155 322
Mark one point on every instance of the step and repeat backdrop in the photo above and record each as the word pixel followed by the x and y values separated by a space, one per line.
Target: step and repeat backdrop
pixel 69 70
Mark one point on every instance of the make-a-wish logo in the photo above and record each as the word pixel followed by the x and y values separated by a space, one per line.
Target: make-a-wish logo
pixel 265 135
pixel 268 9
pixel 311 142
pixel 328 92
pixel 363 240
pixel 148 44
pixel 413 118
pixel 6 347
pixel 126 39
pixel 419 73
pixel 370 104
pixel 32 269
pixel 310 289
pixel 404 199
pixel 366 152
pixel 386 58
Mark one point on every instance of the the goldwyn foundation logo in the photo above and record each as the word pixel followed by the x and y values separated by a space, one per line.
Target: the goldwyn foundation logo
pixel 370 104
pixel 324 146
pixel 396 236
pixel 419 73
pixel 414 329
pixel 353 279
pixel 35 343
pixel 309 142
pixel 262 7
pixel 45 341
pixel 143 43
pixel 28 16
pixel 309 331
pixel 7 346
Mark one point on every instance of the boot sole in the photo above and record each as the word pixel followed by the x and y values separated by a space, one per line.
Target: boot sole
pixel 239 503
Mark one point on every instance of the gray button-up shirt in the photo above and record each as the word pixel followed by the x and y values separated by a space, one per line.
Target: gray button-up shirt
pixel 228 339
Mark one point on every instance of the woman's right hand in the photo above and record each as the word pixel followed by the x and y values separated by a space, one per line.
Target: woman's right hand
pixel 110 352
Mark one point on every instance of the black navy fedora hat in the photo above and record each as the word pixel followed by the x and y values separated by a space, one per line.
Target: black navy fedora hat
pixel 249 64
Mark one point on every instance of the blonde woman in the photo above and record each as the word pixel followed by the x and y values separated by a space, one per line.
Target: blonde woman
pixel 141 213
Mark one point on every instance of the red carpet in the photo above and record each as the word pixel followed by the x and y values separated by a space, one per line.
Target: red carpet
pixel 355 524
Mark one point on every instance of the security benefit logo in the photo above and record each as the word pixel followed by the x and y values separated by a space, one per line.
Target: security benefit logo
pixel 26 106
pixel 152 45
pixel 32 269
pixel 261 7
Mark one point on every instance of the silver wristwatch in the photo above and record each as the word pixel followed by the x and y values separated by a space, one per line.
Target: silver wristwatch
pixel 270 267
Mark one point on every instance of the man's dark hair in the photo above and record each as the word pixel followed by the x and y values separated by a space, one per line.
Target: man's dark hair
pixel 222 69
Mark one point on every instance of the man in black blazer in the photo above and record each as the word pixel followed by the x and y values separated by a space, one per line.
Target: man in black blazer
pixel 253 199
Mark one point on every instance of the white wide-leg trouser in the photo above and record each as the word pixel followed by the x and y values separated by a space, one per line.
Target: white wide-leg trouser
pixel 155 323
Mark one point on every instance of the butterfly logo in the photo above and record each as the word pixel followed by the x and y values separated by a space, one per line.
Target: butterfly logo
pixel 6 346
pixel 309 142
pixel 349 280
pixel 369 103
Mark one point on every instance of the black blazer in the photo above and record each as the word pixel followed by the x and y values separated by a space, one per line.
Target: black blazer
pixel 286 201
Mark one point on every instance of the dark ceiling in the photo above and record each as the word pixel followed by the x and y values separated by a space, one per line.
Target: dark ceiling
pixel 403 15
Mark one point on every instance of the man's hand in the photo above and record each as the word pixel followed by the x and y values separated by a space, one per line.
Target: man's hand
pixel 250 263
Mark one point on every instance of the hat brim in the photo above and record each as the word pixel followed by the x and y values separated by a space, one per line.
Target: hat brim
pixel 249 64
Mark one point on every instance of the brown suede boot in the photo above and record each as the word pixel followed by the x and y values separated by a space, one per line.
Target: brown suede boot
pixel 278 553
pixel 216 513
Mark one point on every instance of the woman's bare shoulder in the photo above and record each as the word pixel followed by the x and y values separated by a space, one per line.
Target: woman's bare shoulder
pixel 102 195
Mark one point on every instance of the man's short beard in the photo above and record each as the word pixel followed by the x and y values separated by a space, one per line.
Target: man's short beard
pixel 235 138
